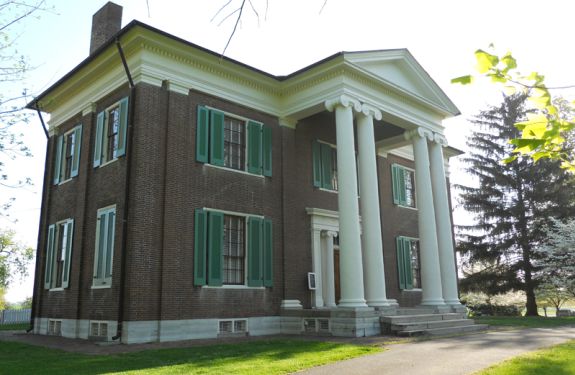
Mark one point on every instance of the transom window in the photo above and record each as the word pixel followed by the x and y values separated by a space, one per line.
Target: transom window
pixel 234 143
pixel 234 250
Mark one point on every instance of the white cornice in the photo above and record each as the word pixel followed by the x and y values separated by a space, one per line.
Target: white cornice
pixel 154 58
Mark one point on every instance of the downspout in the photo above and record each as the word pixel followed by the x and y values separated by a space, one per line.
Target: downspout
pixel 36 298
pixel 129 142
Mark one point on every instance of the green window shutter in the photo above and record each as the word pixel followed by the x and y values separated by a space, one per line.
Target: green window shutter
pixel 200 242
pixel 49 257
pixel 202 135
pixel 123 131
pixel 316 155
pixel 76 151
pixel 216 138
pixel 407 263
pixel 255 244
pixel 398 184
pixel 215 247
pixel 326 161
pixel 400 262
pixel 58 159
pixel 110 243
pixel 254 147
pixel 68 260
pixel 267 150
pixel 268 254
pixel 99 139
pixel 102 235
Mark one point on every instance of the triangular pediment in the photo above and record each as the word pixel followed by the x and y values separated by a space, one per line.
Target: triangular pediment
pixel 400 69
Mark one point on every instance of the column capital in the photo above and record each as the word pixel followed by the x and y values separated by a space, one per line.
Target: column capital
pixel 369 110
pixel 440 139
pixel 418 133
pixel 342 101
pixel 328 233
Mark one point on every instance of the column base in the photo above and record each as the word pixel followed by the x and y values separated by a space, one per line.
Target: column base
pixel 457 307
pixel 291 304
pixel 382 303
pixel 351 303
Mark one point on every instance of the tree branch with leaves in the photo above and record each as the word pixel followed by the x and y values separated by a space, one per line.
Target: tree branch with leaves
pixel 544 132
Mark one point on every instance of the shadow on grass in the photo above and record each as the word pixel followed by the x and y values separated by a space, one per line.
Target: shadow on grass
pixel 272 357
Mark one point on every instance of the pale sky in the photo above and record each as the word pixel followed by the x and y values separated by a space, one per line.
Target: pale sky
pixel 442 35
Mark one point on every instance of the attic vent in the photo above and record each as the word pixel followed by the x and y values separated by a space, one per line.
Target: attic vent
pixel 98 329
pixel 55 327
pixel 233 327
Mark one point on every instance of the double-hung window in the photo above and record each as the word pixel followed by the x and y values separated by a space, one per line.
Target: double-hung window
pixel 58 254
pixel 403 182
pixel 111 128
pixel 67 161
pixel 324 166
pixel 408 263
pixel 232 249
pixel 104 254
pixel 229 141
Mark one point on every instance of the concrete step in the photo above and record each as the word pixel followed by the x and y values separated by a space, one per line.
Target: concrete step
pixel 444 331
pixel 395 319
pixel 414 311
pixel 413 326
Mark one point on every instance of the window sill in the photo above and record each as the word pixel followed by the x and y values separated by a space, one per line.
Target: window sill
pixel 56 290
pixel 412 290
pixel 107 162
pixel 328 190
pixel 240 287
pixel 408 207
pixel 107 286
pixel 65 181
pixel 234 170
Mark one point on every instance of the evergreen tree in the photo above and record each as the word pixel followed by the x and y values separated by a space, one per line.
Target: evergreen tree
pixel 511 203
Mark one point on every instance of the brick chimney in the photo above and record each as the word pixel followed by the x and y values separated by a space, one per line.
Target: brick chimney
pixel 105 24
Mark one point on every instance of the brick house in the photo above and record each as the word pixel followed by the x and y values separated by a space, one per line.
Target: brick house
pixel 192 196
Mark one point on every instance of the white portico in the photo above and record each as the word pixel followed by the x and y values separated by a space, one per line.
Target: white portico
pixel 399 94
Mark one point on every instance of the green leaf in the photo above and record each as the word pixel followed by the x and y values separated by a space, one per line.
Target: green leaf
pixel 485 61
pixel 509 159
pixel 497 77
pixel 525 146
pixel 464 80
pixel 540 154
pixel 509 90
pixel 509 61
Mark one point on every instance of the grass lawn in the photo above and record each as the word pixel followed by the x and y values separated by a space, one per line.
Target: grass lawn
pixel 557 360
pixel 14 327
pixel 525 321
pixel 258 357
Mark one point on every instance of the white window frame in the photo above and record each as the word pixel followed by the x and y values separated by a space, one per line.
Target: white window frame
pixel 105 145
pixel 58 249
pixel 103 282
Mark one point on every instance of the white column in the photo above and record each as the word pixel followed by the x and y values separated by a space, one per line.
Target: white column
pixel 328 271
pixel 351 269
pixel 430 269
pixel 374 275
pixel 317 295
pixel 443 220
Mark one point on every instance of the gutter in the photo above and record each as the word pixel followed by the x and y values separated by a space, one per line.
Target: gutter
pixel 129 142
pixel 36 295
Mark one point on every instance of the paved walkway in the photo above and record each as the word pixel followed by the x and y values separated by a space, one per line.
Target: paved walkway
pixel 450 356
